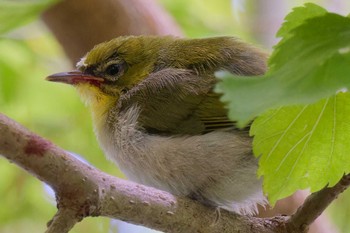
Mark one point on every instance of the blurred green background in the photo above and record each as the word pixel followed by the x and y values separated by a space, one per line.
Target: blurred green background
pixel 29 53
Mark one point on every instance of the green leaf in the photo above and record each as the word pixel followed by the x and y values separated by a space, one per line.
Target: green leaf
pixel 17 13
pixel 298 16
pixel 311 62
pixel 303 146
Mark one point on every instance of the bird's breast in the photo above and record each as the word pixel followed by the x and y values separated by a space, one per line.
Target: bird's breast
pixel 124 143
pixel 178 164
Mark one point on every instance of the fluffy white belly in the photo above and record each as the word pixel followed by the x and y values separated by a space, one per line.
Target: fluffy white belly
pixel 216 168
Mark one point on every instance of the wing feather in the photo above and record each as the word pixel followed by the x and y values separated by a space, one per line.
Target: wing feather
pixel 177 101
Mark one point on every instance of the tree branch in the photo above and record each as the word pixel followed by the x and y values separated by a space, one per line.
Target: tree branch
pixel 82 190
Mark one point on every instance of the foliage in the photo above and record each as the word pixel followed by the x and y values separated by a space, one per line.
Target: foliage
pixel 17 13
pixel 303 146
pixel 300 146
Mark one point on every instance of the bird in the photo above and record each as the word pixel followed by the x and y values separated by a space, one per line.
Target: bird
pixel 157 117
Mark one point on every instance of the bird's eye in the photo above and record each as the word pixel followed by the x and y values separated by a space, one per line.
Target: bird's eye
pixel 112 69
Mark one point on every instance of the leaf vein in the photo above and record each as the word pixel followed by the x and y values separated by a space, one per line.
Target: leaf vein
pixel 285 132
pixel 309 137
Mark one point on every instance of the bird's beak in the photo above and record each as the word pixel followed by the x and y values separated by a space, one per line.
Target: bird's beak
pixel 74 77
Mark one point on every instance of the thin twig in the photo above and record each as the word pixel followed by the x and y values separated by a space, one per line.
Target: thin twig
pixel 62 222
pixel 315 204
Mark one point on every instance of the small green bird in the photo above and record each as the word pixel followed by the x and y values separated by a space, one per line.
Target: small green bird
pixel 156 115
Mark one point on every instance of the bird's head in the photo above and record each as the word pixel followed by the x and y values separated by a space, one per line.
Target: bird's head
pixel 112 68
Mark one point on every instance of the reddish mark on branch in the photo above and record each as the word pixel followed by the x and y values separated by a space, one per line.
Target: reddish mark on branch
pixel 36 146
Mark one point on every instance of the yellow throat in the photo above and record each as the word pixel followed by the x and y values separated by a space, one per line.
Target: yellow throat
pixel 98 102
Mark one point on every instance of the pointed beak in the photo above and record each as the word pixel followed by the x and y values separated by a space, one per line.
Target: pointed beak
pixel 75 77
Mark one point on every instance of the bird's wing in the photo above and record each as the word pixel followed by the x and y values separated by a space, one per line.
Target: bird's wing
pixel 177 101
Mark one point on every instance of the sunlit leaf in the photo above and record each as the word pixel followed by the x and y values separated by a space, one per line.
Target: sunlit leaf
pixel 303 146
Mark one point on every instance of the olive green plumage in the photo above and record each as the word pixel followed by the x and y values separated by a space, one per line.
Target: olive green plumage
pixel 156 115
pixel 177 96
